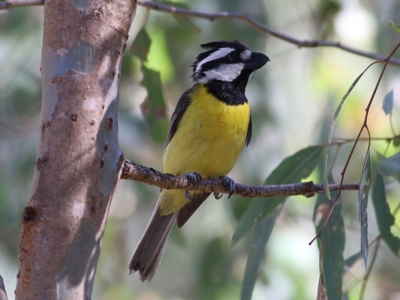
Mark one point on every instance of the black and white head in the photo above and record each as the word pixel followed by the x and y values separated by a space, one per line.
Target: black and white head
pixel 227 62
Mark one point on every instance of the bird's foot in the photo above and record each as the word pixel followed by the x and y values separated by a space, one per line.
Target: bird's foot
pixel 193 178
pixel 189 196
pixel 228 184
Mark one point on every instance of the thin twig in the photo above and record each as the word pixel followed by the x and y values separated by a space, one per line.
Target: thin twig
pixel 150 176
pixel 246 18
pixel 340 141
pixel 365 280
pixel 364 126
pixel 243 17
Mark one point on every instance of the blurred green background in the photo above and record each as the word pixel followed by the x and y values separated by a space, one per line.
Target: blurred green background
pixel 292 99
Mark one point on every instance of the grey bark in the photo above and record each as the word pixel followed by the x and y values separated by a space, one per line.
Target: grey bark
pixel 79 159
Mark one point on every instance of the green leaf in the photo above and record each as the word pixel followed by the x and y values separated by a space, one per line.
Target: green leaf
pixel 263 212
pixel 332 243
pixel 384 217
pixel 141 45
pixel 395 27
pixel 259 241
pixel 363 203
pixel 292 169
pixel 338 109
pixel 349 262
pixel 390 166
pixel 396 141
pixel 153 107
pixel 388 103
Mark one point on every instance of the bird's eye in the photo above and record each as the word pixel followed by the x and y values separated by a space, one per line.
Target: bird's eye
pixel 231 56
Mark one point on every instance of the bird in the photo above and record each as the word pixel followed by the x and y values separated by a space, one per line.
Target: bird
pixel 209 128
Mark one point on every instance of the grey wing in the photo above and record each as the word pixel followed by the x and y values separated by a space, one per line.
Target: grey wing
pixel 249 130
pixel 180 109
pixel 188 210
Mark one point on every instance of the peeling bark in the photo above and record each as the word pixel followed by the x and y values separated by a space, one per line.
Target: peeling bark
pixel 79 159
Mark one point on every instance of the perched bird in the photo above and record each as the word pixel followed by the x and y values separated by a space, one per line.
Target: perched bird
pixel 208 130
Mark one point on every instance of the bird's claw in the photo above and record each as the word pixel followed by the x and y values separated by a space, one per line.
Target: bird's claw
pixel 217 195
pixel 228 184
pixel 188 195
pixel 193 178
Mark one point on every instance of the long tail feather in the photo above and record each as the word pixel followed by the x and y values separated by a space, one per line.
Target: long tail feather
pixel 148 253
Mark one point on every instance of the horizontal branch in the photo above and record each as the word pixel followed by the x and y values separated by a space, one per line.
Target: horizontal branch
pixel 243 17
pixel 150 176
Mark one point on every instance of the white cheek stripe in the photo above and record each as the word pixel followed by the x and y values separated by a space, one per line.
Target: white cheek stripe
pixel 216 55
pixel 227 72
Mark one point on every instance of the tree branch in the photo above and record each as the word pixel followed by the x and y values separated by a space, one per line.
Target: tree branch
pixel 243 17
pixel 150 176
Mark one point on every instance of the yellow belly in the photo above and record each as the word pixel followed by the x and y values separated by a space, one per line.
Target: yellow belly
pixel 210 137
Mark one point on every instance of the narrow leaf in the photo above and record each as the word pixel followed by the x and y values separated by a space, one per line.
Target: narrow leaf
pixel 153 107
pixel 384 217
pixel 263 212
pixel 347 94
pixel 396 141
pixel 292 169
pixel 390 166
pixel 330 135
pixel 141 45
pixel 363 203
pixel 388 103
pixel 331 243
pixel 259 241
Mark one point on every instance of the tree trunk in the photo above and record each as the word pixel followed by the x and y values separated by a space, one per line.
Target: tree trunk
pixel 79 159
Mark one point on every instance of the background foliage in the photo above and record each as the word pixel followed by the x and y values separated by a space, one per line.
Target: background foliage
pixel 293 100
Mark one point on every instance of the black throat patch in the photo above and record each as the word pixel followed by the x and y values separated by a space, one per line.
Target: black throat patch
pixel 227 92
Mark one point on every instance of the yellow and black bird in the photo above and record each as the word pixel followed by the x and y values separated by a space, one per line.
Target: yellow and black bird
pixel 208 130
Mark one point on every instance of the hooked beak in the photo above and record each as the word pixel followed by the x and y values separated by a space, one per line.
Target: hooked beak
pixel 256 61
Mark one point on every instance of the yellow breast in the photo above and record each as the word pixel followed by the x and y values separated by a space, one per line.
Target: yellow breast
pixel 209 139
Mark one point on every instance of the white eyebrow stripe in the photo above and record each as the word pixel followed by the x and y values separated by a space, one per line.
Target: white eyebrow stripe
pixel 215 55
pixel 245 55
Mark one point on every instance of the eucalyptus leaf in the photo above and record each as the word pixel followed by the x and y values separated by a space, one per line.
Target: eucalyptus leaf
pixel 263 212
pixel 330 135
pixel 363 203
pixel 292 169
pixel 384 217
pixel 141 45
pixel 390 166
pixel 153 107
pixel 259 241
pixel 331 243
pixel 388 103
